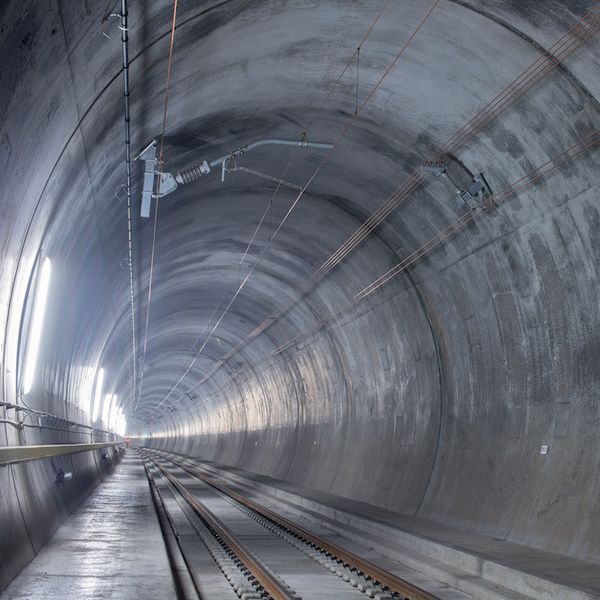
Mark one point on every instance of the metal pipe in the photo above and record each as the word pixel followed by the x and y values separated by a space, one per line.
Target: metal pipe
pixel 16 424
pixel 45 415
pixel 195 172
pixel 64 429
pixel 125 44
pixel 15 454
pixel 270 141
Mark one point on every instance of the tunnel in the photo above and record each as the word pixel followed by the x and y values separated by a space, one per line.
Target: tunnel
pixel 337 257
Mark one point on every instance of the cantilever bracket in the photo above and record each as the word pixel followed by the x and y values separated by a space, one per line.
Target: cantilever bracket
pixel 148 155
pixel 158 183
pixel 477 191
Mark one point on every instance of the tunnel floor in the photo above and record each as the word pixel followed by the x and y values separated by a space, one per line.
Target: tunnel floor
pixel 138 537
pixel 110 548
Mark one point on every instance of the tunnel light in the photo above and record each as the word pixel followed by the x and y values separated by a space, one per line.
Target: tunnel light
pixel 98 395
pixel 114 405
pixel 114 412
pixel 39 307
pixel 112 419
pixel 108 399
pixel 121 423
pixel 87 389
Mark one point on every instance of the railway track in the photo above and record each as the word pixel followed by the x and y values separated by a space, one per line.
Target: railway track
pixel 262 554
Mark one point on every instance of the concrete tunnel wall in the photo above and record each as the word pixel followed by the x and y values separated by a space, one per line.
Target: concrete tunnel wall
pixel 432 396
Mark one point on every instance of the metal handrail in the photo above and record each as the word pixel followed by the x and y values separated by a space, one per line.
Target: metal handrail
pixel 17 454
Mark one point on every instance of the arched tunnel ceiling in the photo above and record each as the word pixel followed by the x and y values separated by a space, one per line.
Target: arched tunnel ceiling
pixel 432 395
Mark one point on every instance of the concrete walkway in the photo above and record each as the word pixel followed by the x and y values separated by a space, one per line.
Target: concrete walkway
pixel 111 548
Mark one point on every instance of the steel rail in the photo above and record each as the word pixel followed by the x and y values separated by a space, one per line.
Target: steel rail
pixel 187 583
pixel 225 562
pixel 386 579
pixel 18 454
pixel 273 587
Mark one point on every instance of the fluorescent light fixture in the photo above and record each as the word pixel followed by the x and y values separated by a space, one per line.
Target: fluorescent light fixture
pixel 87 389
pixel 108 399
pixel 121 424
pixel 98 394
pixel 35 333
pixel 112 417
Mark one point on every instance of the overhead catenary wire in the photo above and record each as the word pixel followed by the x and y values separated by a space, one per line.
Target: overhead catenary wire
pixel 328 154
pixel 586 27
pixel 513 91
pixel 318 109
pixel 155 224
pixel 279 181
pixel 269 205
pixel 241 284
pixel 174 384
pixel 580 147
pixel 362 107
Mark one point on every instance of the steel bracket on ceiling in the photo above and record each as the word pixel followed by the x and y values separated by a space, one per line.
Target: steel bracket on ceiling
pixel 473 196
pixel 158 184
pixel 476 192
pixel 148 155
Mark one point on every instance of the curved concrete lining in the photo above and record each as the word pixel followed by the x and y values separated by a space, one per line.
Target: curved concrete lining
pixel 433 396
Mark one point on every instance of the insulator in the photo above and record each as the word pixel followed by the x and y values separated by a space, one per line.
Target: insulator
pixel 192 173
pixel 188 175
